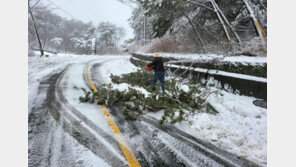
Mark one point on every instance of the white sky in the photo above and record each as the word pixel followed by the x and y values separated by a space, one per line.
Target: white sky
pixel 96 11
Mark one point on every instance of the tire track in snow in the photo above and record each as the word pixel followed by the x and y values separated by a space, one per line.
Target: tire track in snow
pixel 43 130
pixel 156 151
pixel 221 156
pixel 76 123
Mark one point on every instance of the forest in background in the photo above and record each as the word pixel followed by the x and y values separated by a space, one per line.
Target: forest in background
pixel 228 27
pixel 59 34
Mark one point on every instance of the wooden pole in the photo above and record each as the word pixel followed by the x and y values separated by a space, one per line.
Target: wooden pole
pixel 36 31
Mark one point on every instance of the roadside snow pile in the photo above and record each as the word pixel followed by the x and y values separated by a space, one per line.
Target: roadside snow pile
pixel 240 127
pixel 209 57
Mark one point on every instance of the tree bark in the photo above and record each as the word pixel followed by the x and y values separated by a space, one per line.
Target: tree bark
pixel 36 31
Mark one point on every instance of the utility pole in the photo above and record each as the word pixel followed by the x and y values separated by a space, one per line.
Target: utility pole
pixel 94 45
pixel 40 45
pixel 144 32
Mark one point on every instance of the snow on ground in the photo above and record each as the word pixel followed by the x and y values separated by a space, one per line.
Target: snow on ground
pixel 208 57
pixel 92 111
pixel 240 127
pixel 223 73
pixel 125 86
pixel 116 67
pixel 119 67
pixel 82 155
pixel 40 67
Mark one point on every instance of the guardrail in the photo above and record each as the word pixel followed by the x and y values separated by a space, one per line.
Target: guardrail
pixel 232 82
pixel 44 51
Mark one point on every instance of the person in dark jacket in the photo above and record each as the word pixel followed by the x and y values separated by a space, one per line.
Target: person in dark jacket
pixel 158 67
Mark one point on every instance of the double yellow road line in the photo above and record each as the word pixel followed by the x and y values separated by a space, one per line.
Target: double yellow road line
pixel 129 156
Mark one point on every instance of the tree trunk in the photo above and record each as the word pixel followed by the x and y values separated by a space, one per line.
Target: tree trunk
pixel 220 19
pixel 260 31
pixel 40 45
pixel 195 30
pixel 229 25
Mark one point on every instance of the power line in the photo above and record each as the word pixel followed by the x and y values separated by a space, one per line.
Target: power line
pixel 91 18
pixel 122 2
pixel 90 15
pixel 92 5
pixel 62 10
pixel 95 6
pixel 93 15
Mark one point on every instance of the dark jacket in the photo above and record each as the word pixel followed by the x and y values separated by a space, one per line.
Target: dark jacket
pixel 157 64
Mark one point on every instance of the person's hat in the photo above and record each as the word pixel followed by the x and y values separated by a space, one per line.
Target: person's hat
pixel 156 55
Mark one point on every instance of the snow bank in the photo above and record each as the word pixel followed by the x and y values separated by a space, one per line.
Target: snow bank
pixel 208 57
pixel 240 127
pixel 223 73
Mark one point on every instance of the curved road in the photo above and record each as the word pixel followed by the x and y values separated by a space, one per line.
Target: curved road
pixel 64 132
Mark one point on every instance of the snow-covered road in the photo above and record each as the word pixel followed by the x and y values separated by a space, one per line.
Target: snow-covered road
pixel 65 132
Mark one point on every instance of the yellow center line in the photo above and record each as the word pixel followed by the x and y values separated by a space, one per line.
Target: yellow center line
pixel 129 156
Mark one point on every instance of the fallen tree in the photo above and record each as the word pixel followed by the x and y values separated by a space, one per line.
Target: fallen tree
pixel 176 102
